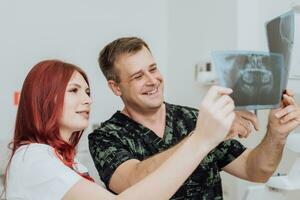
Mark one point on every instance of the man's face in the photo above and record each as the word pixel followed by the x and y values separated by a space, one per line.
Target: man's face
pixel 141 83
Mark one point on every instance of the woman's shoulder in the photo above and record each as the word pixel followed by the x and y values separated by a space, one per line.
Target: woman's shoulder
pixel 34 147
pixel 34 151
pixel 37 171
pixel 41 161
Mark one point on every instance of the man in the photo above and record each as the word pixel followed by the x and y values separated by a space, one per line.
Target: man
pixel 135 141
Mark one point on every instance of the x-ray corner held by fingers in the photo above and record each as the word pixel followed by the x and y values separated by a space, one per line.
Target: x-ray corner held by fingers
pixel 257 79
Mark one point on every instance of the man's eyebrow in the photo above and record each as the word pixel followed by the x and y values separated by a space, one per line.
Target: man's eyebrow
pixel 152 65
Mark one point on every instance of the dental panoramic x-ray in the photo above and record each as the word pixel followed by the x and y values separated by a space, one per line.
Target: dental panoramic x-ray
pixel 257 78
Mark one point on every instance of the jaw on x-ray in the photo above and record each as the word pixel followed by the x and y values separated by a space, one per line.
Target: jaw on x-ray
pixel 256 77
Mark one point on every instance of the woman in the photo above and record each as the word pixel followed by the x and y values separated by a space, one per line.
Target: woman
pixel 53 111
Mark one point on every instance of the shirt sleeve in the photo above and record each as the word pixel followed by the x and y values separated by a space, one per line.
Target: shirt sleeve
pixel 108 153
pixel 228 151
pixel 45 175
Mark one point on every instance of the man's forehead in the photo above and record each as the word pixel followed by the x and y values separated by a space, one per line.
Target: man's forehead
pixel 130 63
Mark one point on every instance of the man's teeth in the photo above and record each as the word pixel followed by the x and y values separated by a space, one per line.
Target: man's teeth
pixel 152 92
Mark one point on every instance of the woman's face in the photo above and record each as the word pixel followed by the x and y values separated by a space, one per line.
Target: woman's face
pixel 76 108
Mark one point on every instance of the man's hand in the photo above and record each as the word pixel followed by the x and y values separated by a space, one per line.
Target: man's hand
pixel 243 124
pixel 284 119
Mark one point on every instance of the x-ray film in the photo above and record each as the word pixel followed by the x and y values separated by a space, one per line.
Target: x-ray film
pixel 257 78
pixel 280 35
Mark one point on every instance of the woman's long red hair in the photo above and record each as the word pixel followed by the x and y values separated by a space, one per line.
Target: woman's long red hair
pixel 40 108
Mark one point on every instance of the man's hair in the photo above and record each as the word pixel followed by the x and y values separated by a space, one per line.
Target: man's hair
pixel 114 50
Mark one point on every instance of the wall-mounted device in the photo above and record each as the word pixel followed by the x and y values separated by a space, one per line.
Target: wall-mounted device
pixel 205 74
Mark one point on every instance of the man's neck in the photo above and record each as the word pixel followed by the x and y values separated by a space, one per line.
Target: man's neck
pixel 154 119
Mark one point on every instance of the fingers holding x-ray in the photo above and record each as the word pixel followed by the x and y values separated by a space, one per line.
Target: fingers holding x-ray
pixel 288 99
pixel 215 115
pixel 289 113
pixel 227 109
pixel 250 117
pixel 290 92
pixel 215 92
pixel 244 123
pixel 285 111
pixel 245 128
pixel 225 104
pixel 289 104
pixel 241 127
pixel 286 118
pixel 290 116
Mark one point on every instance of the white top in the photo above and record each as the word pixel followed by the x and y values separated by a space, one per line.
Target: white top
pixel 36 173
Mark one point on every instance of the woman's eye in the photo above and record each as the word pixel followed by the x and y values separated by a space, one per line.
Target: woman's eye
pixel 88 92
pixel 74 90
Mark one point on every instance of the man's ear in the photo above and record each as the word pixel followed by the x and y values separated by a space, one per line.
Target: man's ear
pixel 114 87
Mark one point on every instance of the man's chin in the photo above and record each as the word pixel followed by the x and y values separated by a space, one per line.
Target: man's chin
pixel 155 104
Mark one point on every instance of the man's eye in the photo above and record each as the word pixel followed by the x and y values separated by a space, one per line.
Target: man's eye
pixel 153 69
pixel 138 77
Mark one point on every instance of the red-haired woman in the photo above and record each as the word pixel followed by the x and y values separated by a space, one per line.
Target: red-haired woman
pixel 53 112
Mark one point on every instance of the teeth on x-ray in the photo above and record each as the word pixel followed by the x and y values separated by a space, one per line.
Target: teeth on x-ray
pixel 262 76
pixel 255 77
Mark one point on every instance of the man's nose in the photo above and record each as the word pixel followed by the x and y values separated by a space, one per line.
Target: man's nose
pixel 150 78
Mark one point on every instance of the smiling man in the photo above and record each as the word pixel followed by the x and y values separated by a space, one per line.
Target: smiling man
pixel 137 140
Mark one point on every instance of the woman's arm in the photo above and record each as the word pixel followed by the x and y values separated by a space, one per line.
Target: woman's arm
pixel 161 184
pixel 213 124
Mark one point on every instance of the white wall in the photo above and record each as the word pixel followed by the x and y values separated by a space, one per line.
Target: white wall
pixel 196 27
pixel 252 16
pixel 74 31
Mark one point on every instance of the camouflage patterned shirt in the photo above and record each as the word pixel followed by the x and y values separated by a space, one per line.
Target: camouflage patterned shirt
pixel 120 138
